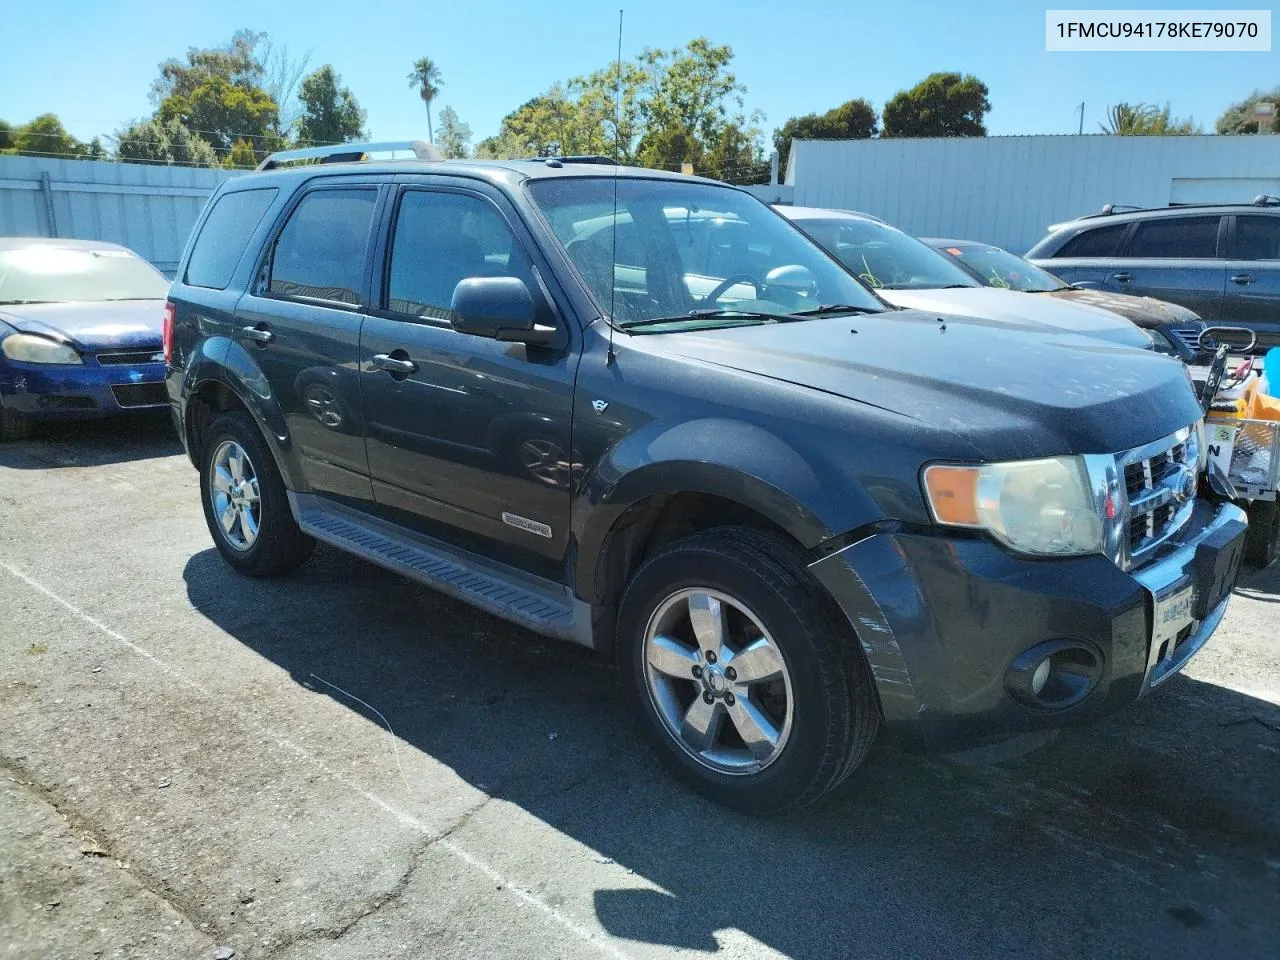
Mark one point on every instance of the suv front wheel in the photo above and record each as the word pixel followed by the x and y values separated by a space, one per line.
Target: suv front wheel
pixel 245 502
pixel 741 673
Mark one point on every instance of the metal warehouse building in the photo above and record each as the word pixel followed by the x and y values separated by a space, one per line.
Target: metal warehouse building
pixel 1007 190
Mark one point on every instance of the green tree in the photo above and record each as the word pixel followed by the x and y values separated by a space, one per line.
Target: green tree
pixel 238 62
pixel 330 114
pixel 940 105
pixel 223 112
pixel 240 156
pixel 852 120
pixel 46 136
pixel 6 135
pixel 156 141
pixel 1239 117
pixel 1146 120
pixel 425 76
pixel 455 136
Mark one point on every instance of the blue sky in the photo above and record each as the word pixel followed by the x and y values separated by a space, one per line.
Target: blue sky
pixel 92 62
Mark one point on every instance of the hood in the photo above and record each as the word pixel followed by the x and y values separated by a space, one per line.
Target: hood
pixel 1144 311
pixel 1010 308
pixel 1010 393
pixel 91 326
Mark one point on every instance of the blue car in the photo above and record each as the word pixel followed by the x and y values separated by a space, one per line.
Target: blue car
pixel 80 332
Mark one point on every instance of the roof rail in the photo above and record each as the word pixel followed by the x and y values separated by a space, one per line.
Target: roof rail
pixel 1266 200
pixel 1111 208
pixel 347 152
pixel 578 158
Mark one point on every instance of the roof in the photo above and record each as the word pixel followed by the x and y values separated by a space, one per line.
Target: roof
pixel 820 213
pixel 946 242
pixel 1122 214
pixel 22 243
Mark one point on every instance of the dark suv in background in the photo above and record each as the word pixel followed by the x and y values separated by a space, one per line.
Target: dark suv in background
pixel 792 514
pixel 1222 261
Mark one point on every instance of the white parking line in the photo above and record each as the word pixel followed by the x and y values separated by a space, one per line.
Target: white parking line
pixel 577 929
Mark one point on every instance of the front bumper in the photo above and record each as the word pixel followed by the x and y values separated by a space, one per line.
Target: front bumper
pixel 64 392
pixel 941 619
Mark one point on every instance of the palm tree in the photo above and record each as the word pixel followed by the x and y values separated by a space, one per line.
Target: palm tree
pixel 426 77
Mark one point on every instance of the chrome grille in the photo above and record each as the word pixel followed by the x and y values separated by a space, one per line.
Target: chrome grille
pixel 1160 481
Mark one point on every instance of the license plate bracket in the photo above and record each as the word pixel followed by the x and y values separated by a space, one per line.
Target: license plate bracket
pixel 1216 566
pixel 1174 611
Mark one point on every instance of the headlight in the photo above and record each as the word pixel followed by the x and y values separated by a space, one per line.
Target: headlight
pixel 1041 507
pixel 30 348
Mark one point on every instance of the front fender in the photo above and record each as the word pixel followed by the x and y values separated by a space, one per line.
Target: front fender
pixel 734 460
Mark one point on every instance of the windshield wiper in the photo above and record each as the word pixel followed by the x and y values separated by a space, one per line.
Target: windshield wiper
pixel 834 308
pixel 8 303
pixel 708 315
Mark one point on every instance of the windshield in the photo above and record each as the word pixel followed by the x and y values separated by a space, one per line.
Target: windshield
pixel 1000 268
pixel 43 274
pixel 692 253
pixel 883 256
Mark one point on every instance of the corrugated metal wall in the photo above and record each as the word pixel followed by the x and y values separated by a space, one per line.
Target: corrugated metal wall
pixel 1007 190
pixel 147 207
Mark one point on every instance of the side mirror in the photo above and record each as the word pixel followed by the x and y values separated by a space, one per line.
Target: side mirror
pixel 499 308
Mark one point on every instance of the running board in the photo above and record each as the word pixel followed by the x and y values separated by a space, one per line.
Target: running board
pixel 532 602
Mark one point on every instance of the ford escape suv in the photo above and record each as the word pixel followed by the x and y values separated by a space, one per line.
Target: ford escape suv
pixel 793 515
pixel 1222 261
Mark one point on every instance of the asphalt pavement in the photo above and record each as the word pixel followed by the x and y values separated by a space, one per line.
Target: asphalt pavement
pixel 342 764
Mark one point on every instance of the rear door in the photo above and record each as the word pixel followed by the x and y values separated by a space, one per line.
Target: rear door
pixel 1181 259
pixel 1253 276
pixel 470 440
pixel 300 324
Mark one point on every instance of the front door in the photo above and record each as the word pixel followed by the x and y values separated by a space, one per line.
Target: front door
pixel 300 325
pixel 1253 277
pixel 469 439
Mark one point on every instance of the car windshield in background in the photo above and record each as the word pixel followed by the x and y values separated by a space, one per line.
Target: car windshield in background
pixel 46 274
pixel 882 256
pixel 1000 268
pixel 691 254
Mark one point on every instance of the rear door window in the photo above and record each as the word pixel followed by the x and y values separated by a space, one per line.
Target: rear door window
pixel 1098 242
pixel 224 236
pixel 1175 238
pixel 1258 238
pixel 320 254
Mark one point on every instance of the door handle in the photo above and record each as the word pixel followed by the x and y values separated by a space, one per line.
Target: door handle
pixel 1244 279
pixel 1122 277
pixel 258 334
pixel 394 365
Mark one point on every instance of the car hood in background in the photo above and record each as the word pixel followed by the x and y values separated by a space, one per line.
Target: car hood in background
pixel 1010 308
pixel 1010 393
pixel 105 325
pixel 1144 311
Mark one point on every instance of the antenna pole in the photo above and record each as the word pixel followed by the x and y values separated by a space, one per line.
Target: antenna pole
pixel 1081 130
pixel 617 151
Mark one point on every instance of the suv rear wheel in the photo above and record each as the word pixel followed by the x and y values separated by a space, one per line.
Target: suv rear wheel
pixel 741 674
pixel 245 502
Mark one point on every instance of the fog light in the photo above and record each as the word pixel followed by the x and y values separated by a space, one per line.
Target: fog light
pixel 1041 676
pixel 1055 674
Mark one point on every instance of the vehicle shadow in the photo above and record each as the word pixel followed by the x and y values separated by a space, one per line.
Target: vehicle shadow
pixel 92 443
pixel 1156 832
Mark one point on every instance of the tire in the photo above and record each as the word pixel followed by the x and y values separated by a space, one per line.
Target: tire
pixel 1262 543
pixel 277 544
pixel 13 427
pixel 822 710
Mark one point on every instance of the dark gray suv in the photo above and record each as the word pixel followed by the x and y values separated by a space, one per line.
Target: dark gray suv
pixel 1221 261
pixel 793 515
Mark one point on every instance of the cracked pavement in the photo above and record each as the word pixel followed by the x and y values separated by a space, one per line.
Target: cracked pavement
pixel 185 765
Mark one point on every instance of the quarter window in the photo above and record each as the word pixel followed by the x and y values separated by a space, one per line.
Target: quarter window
pixel 1098 242
pixel 1173 238
pixel 225 234
pixel 444 238
pixel 1258 238
pixel 320 254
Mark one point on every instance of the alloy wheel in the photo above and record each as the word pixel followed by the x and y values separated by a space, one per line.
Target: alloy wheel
pixel 234 495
